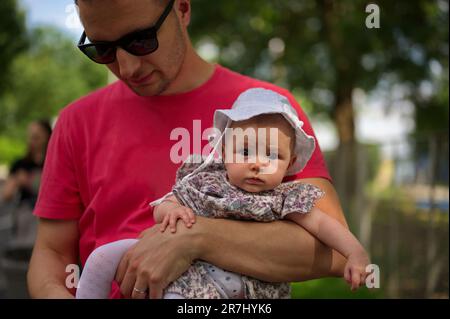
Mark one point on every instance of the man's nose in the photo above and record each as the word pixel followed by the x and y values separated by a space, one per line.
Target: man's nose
pixel 128 64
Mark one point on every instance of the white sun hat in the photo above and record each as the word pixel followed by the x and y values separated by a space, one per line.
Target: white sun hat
pixel 258 101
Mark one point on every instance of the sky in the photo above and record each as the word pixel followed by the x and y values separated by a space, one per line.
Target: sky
pixel 372 123
pixel 60 13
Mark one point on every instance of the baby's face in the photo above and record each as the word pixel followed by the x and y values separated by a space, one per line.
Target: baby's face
pixel 252 171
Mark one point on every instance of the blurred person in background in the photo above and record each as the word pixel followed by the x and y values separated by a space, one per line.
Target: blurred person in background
pixel 18 198
pixel 22 185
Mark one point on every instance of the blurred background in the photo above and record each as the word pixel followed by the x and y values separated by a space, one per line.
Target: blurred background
pixel 373 80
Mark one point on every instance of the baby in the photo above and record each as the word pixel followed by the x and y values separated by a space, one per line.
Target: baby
pixel 261 142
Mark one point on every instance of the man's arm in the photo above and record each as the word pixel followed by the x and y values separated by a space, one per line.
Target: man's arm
pixel 56 247
pixel 278 251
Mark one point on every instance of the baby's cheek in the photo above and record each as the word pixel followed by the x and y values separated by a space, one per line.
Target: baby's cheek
pixel 278 168
pixel 281 172
pixel 231 177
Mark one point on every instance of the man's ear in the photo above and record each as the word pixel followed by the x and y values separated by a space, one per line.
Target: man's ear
pixel 184 9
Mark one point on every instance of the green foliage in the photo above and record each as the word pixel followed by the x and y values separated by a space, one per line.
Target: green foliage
pixel 47 77
pixel 432 114
pixel 12 38
pixel 11 149
pixel 329 51
pixel 331 288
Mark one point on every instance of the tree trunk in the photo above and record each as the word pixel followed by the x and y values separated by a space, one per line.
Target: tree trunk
pixel 345 168
pixel 344 163
pixel 434 263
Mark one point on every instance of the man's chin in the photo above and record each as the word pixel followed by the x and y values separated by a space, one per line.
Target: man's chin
pixel 143 90
pixel 147 90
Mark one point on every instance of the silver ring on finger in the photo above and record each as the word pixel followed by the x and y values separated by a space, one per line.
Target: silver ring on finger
pixel 139 291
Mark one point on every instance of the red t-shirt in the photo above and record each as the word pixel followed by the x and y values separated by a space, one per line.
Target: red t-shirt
pixel 109 154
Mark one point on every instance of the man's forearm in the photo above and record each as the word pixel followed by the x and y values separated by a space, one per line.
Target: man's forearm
pixel 278 251
pixel 46 275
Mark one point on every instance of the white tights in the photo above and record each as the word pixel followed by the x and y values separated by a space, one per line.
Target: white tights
pixel 101 266
pixel 100 269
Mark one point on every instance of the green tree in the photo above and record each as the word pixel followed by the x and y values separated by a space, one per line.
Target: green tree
pixel 12 38
pixel 45 78
pixel 323 50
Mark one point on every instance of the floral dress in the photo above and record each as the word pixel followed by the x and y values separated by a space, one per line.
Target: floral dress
pixel 208 193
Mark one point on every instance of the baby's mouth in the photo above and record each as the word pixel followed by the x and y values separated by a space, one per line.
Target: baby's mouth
pixel 254 181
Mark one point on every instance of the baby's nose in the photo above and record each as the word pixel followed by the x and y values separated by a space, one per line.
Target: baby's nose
pixel 260 163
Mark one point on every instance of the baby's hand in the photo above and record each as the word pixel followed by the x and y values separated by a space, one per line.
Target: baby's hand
pixel 178 212
pixel 355 269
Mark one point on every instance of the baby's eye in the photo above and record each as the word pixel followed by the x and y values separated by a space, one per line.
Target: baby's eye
pixel 273 156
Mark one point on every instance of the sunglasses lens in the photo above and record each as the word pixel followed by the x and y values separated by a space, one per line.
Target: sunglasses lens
pixel 103 54
pixel 142 46
pixel 139 44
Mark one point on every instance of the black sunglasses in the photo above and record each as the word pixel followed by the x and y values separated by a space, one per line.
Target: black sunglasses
pixel 138 43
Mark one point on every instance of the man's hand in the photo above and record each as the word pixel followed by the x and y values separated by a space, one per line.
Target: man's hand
pixel 155 261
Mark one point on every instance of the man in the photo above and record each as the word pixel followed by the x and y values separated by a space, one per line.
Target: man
pixel 110 156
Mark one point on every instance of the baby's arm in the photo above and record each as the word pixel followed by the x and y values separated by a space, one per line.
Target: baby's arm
pixel 336 236
pixel 169 211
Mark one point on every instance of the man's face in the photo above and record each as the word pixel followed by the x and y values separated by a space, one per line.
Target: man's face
pixel 109 20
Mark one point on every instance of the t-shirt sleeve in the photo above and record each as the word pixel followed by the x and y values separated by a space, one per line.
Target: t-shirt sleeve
pixel 59 196
pixel 316 166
